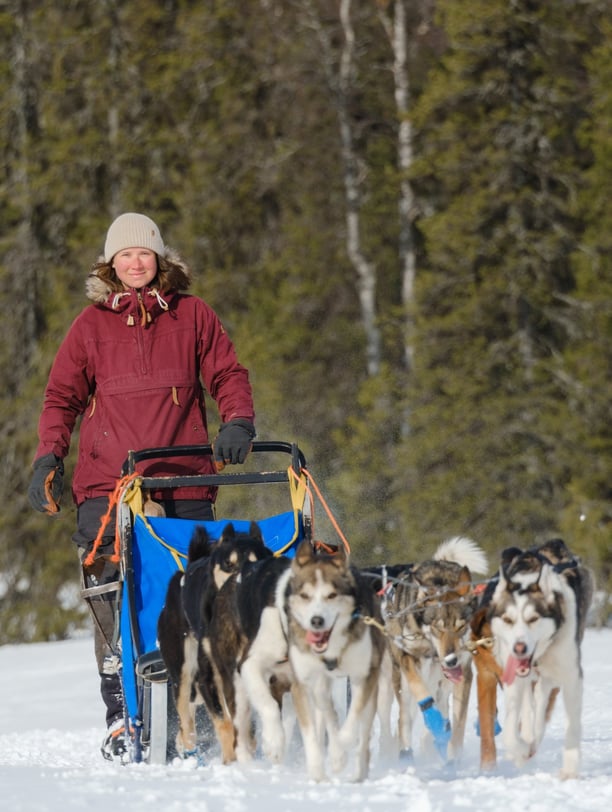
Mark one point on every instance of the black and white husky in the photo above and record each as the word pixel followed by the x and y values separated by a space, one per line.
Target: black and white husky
pixel 184 630
pixel 537 614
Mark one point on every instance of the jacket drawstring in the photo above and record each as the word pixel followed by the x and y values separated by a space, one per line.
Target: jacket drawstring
pixel 145 316
pixel 160 301
pixel 116 299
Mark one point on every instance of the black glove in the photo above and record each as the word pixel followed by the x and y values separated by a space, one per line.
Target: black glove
pixel 47 484
pixel 233 442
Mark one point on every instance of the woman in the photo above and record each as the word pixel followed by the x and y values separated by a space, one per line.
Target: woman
pixel 134 366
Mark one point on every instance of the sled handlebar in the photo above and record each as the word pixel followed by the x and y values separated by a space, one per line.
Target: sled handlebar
pixel 298 462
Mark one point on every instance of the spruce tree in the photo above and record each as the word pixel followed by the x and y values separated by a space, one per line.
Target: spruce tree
pixel 499 163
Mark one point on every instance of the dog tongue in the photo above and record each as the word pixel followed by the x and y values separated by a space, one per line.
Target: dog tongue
pixel 515 666
pixel 316 638
pixel 453 674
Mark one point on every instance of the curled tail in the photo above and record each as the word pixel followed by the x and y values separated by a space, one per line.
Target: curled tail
pixel 465 552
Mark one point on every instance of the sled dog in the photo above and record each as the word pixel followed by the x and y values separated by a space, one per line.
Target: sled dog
pixel 427 611
pixel 184 627
pixel 248 647
pixel 536 612
pixel 329 607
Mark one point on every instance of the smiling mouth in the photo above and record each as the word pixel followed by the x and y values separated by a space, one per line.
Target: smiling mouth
pixel 318 641
pixel 516 667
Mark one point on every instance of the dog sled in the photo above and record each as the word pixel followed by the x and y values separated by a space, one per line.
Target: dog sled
pixel 153 548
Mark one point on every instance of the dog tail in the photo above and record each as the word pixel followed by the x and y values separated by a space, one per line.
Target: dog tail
pixel 465 552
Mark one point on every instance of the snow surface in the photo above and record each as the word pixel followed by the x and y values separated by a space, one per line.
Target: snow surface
pixel 51 726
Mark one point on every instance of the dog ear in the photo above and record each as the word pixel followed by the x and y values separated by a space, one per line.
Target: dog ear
pixel 555 550
pixel 464 586
pixel 340 556
pixel 228 533
pixel 255 531
pixel 304 553
pixel 507 557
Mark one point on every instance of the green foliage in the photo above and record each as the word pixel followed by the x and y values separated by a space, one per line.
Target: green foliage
pixel 499 160
pixel 220 119
pixel 589 360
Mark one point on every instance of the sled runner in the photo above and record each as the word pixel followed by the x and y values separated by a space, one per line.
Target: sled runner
pixel 153 548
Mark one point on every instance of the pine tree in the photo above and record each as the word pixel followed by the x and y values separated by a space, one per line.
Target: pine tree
pixel 499 162
pixel 587 516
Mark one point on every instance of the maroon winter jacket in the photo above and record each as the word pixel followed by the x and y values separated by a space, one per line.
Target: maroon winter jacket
pixel 131 365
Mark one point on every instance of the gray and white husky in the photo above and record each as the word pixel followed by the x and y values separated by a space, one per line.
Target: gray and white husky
pixel 427 614
pixel 537 614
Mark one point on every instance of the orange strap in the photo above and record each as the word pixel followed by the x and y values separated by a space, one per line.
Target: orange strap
pixel 332 519
pixel 113 501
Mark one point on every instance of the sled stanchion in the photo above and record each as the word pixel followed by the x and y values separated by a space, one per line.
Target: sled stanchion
pixel 159 722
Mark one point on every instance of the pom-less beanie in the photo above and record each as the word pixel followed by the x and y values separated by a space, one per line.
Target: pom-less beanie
pixel 132 230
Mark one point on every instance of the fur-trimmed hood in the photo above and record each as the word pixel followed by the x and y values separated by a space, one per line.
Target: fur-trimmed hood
pixel 178 277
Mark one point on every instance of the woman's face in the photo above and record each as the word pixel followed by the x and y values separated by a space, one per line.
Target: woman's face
pixel 135 267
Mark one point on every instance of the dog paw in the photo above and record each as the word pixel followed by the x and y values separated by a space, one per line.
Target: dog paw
pixel 406 757
pixel 438 726
pixel 243 754
pixel 189 760
pixel 317 775
pixel 520 752
pixel 273 747
pixel 272 752
pixel 359 774
pixel 571 764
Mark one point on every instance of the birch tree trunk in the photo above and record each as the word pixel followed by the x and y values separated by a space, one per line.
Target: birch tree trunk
pixel 366 271
pixel 395 28
pixel 341 83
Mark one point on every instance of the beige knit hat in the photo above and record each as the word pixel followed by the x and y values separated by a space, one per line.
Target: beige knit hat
pixel 132 230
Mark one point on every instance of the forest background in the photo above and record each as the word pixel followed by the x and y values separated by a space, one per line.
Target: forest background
pixel 400 210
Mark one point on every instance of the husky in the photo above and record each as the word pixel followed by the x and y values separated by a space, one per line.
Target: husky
pixel 427 611
pixel 536 609
pixel 334 630
pixel 184 627
pixel 248 646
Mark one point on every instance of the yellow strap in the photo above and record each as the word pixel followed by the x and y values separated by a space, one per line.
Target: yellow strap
pixel 133 498
pixel 297 486
pixel 298 490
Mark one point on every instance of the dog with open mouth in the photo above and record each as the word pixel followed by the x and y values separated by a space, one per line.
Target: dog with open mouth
pixel 427 610
pixel 535 611
pixel 334 630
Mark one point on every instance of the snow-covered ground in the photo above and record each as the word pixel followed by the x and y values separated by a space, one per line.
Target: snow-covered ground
pixel 51 728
